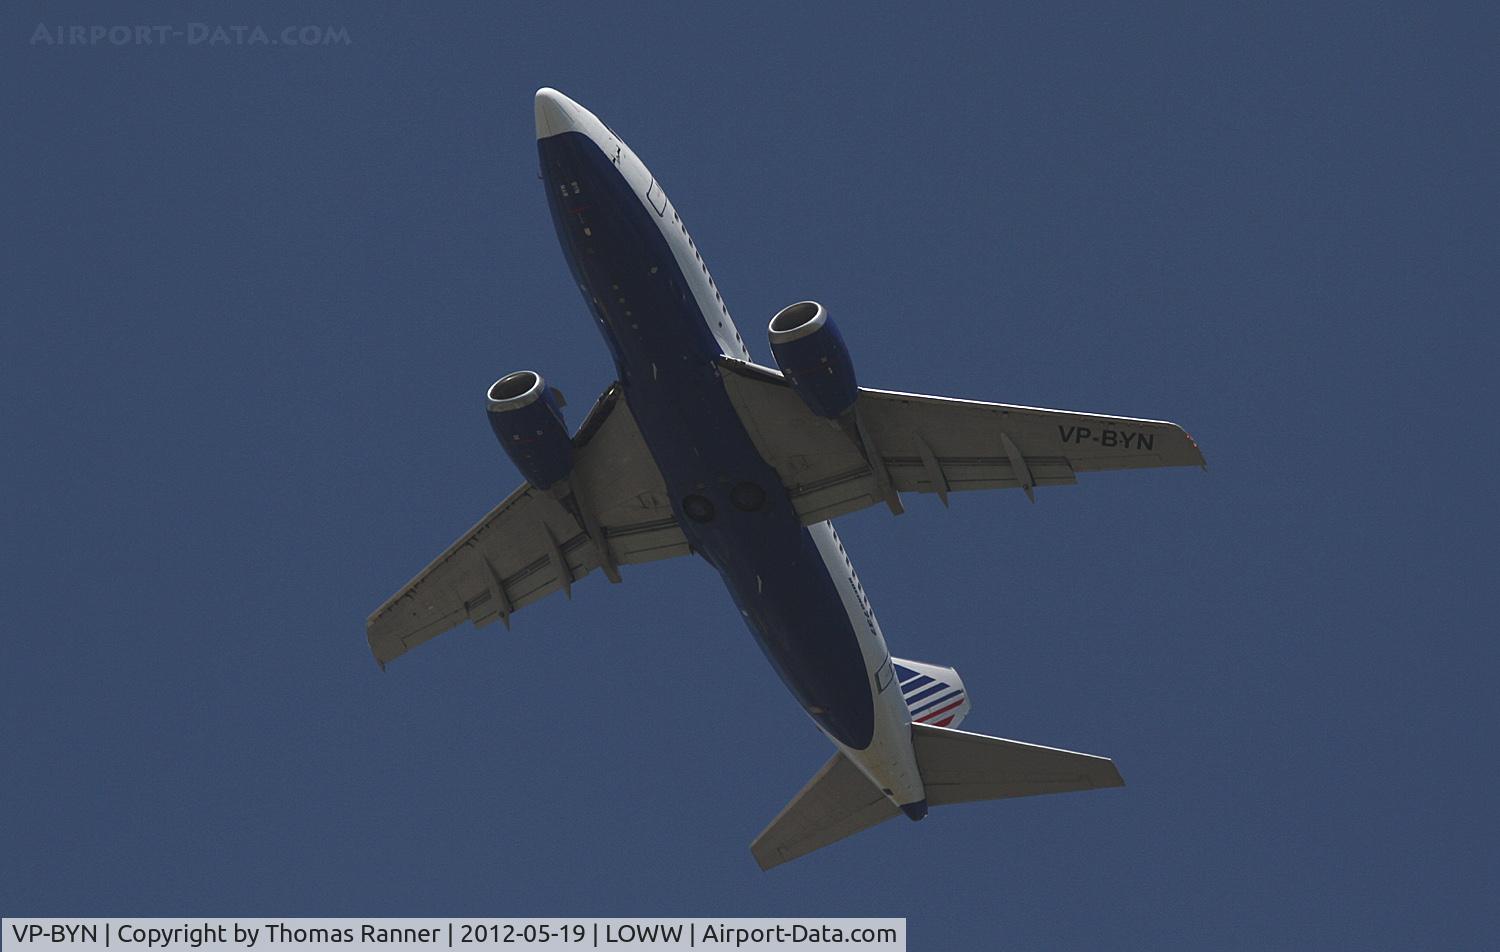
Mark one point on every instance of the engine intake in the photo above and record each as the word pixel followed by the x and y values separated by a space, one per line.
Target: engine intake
pixel 529 424
pixel 811 353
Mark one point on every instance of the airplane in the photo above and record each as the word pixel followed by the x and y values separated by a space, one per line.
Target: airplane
pixel 696 449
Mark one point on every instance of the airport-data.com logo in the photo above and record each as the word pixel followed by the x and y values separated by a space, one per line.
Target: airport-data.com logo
pixel 187 34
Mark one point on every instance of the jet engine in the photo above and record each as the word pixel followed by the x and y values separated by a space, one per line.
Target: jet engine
pixel 810 351
pixel 528 422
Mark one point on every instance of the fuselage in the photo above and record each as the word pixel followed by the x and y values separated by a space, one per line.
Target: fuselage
pixel 667 327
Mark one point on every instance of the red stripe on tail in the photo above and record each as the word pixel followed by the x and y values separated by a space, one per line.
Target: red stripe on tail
pixel 940 711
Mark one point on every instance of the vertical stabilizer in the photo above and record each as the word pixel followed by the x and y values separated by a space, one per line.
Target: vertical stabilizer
pixel 934 695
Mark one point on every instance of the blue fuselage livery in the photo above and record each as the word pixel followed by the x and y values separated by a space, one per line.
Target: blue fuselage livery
pixel 696 449
pixel 667 328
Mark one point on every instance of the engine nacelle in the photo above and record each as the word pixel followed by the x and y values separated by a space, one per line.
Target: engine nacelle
pixel 528 422
pixel 810 351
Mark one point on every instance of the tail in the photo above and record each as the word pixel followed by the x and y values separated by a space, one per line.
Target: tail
pixel 934 695
pixel 956 767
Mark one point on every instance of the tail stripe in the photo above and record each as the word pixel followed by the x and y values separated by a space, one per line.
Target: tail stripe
pixel 925 718
pixel 926 693
pixel 938 700
pixel 933 694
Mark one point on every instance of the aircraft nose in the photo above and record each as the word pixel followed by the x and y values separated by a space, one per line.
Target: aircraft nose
pixel 555 113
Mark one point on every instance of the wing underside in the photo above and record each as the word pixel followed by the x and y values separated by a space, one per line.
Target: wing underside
pixel 915 443
pixel 615 511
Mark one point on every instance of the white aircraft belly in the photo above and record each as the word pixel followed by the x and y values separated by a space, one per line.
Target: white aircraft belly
pixel 889 761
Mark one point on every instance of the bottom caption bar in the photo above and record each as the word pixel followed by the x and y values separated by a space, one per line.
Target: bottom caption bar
pixel 399 935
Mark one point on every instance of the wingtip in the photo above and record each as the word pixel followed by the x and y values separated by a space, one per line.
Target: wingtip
pixel 1114 778
pixel 766 858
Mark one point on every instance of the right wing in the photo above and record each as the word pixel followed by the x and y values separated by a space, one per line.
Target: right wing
pixel 533 544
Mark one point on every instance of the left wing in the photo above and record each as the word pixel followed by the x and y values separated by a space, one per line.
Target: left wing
pixel 615 511
pixel 907 442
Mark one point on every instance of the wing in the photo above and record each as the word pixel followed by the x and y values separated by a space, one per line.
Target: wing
pixel 906 442
pixel 615 512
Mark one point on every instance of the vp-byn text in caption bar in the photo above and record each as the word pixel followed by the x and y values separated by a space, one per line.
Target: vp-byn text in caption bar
pixel 416 935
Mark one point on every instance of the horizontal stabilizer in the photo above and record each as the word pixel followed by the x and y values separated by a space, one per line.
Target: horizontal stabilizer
pixel 838 801
pixel 958 767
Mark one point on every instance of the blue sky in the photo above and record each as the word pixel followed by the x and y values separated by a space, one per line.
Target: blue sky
pixel 253 297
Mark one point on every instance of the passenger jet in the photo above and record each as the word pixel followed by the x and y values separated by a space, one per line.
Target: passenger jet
pixel 696 449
